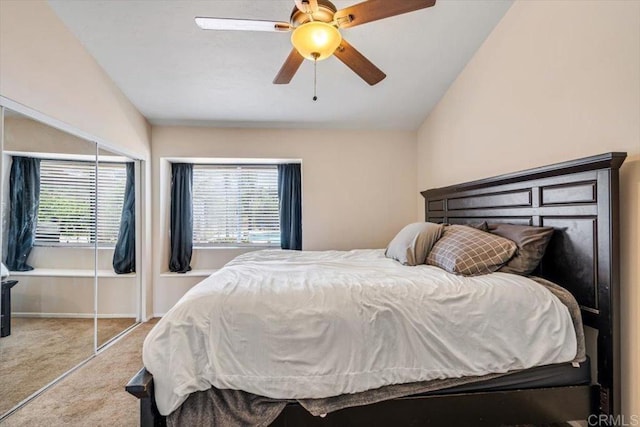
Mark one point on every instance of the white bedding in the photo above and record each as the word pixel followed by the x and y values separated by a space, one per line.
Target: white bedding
pixel 292 325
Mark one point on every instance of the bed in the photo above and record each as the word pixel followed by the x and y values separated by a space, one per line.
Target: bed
pixel 577 198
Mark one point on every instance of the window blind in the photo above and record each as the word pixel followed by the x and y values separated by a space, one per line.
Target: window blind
pixel 235 205
pixel 71 211
pixel 112 181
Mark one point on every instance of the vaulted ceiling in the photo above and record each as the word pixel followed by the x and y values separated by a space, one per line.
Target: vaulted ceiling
pixel 176 73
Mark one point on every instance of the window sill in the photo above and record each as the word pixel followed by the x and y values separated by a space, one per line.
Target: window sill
pixel 236 247
pixel 72 246
pixel 68 272
pixel 192 273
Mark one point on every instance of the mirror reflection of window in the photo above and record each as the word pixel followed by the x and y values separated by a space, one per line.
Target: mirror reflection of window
pixel 67 209
pixel 52 300
pixel 76 243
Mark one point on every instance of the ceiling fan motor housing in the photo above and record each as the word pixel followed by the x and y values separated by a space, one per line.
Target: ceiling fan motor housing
pixel 325 13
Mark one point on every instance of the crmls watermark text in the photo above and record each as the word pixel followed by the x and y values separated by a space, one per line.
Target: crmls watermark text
pixel 613 420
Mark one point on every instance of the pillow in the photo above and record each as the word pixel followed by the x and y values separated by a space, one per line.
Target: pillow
pixel 469 252
pixel 412 244
pixel 482 226
pixel 531 242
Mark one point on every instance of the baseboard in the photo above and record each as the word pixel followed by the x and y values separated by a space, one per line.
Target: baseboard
pixel 75 315
pixel 70 272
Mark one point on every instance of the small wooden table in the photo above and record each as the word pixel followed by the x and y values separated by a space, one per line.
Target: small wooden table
pixel 5 321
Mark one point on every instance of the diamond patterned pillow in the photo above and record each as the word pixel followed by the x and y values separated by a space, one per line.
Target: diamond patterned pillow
pixel 470 252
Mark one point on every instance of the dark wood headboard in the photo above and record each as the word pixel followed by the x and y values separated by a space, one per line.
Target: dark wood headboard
pixel 579 199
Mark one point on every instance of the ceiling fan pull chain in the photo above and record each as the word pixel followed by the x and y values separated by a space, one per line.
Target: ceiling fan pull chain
pixel 315 78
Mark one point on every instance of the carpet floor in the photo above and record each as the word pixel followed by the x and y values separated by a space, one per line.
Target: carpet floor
pixel 41 349
pixel 94 394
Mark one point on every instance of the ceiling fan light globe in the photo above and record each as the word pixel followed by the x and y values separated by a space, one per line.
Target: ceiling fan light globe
pixel 316 40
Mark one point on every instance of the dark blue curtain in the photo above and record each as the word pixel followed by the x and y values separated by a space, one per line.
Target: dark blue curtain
pixel 124 255
pixel 181 217
pixel 24 198
pixel 290 197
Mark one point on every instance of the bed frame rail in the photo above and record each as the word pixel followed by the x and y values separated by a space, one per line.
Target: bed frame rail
pixel 528 406
pixel 497 408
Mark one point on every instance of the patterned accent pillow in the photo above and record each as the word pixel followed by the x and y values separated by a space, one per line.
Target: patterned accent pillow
pixel 470 252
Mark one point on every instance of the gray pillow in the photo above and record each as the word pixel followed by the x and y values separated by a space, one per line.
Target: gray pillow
pixel 482 226
pixel 531 242
pixel 470 252
pixel 413 243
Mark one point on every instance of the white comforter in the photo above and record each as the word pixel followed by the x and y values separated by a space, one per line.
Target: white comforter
pixel 288 325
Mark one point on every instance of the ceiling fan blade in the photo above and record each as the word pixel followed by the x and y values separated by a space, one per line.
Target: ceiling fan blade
pixel 289 68
pixel 372 10
pixel 307 6
pixel 241 24
pixel 359 64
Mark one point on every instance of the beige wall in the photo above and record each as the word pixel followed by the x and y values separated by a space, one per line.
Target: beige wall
pixel 26 135
pixel 556 80
pixel 358 188
pixel 73 296
pixel 44 67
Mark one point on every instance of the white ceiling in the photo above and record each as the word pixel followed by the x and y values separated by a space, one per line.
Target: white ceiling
pixel 175 73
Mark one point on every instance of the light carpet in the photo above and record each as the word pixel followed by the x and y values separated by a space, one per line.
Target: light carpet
pixel 39 350
pixel 94 394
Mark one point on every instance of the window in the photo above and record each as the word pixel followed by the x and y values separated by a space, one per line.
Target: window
pixel 67 211
pixel 112 183
pixel 235 205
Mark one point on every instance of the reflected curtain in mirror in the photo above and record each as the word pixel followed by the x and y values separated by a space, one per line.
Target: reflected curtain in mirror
pixel 181 226
pixel 24 198
pixel 290 199
pixel 124 254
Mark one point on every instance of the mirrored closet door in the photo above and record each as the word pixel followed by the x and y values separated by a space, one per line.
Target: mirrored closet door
pixel 117 281
pixel 68 244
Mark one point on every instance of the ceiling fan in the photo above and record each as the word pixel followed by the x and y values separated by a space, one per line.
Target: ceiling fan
pixel 315 26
